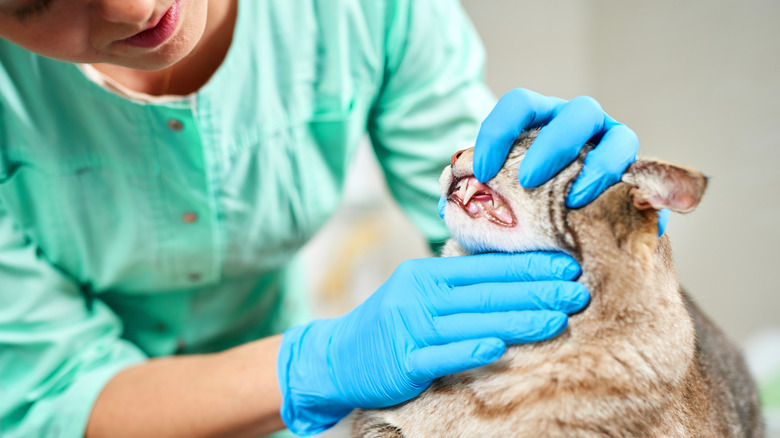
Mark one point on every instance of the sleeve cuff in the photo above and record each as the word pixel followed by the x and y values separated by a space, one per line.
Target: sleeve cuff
pixel 67 414
pixel 77 402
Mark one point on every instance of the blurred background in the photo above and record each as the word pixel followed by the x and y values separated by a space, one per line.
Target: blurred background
pixel 699 82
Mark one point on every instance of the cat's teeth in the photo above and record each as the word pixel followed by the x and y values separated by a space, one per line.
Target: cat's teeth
pixel 464 185
pixel 470 190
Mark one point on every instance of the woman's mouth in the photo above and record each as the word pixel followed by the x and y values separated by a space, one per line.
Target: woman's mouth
pixel 160 32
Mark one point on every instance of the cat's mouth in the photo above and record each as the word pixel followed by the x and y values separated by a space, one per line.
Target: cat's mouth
pixel 479 200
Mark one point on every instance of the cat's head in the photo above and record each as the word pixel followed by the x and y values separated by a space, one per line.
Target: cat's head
pixel 502 216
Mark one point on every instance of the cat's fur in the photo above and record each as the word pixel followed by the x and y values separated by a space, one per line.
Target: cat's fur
pixel 640 361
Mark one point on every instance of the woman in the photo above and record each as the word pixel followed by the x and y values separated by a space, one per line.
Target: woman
pixel 161 161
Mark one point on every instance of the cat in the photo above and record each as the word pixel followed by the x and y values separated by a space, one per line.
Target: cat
pixel 640 361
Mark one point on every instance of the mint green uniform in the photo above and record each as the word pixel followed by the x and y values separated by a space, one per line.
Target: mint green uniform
pixel 131 229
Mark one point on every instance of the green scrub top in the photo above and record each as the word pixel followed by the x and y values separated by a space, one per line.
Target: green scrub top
pixel 131 229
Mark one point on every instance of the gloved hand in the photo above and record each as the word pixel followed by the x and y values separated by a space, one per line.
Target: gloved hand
pixel 567 126
pixel 432 317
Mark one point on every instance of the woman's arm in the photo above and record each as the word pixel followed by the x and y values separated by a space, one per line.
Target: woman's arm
pixel 232 393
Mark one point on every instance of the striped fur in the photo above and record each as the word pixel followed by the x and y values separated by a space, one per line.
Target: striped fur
pixel 640 361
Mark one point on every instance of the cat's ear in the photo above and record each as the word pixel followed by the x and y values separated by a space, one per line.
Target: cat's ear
pixel 664 185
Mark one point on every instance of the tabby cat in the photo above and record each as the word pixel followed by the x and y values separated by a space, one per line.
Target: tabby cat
pixel 640 361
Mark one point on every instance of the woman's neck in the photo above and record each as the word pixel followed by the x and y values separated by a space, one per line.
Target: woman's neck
pixel 194 70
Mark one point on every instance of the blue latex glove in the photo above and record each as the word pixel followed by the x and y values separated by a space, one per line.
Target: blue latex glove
pixel 566 127
pixel 432 317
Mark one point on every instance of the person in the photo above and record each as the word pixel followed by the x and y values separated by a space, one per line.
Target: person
pixel 162 161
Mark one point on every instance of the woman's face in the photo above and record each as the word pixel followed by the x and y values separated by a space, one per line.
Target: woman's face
pixel 139 34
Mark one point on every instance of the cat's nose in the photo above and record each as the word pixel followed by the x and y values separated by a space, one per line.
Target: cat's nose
pixel 455 156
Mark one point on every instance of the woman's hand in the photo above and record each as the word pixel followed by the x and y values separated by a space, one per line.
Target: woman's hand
pixel 566 127
pixel 432 317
